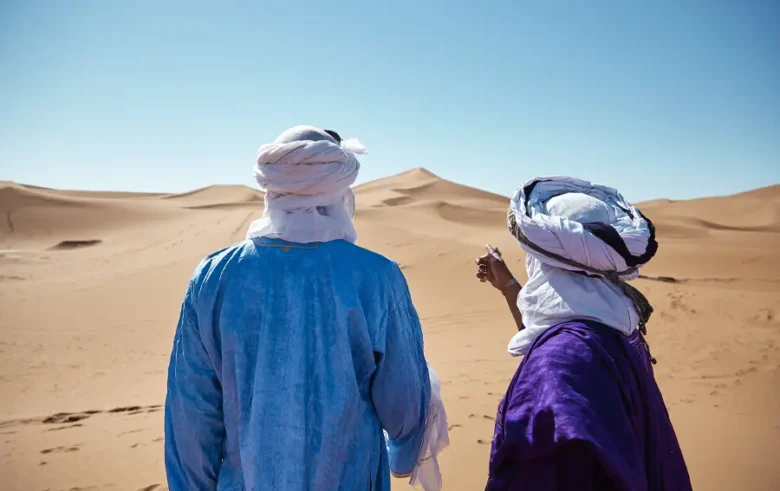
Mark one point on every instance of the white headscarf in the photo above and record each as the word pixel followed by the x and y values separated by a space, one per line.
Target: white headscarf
pixel 307 182
pixel 570 229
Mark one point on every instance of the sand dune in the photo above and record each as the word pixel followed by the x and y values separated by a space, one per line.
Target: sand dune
pixel 753 211
pixel 419 185
pixel 217 196
pixel 90 285
pixel 731 236
pixel 36 218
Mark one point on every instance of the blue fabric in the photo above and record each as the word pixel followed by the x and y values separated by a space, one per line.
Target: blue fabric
pixel 288 361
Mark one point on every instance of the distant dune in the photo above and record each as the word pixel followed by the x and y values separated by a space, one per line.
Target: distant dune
pixel 218 196
pixel 752 211
pixel 91 284
pixel 420 185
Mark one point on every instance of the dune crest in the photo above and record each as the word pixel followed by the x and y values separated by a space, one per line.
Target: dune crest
pixel 418 186
pixel 751 211
pixel 217 196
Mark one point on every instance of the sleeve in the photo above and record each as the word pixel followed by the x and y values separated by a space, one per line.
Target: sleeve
pixel 401 388
pixel 194 427
pixel 573 466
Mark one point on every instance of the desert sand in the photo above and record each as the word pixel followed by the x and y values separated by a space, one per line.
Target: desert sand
pixel 91 283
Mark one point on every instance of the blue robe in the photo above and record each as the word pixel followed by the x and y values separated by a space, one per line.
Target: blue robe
pixel 288 362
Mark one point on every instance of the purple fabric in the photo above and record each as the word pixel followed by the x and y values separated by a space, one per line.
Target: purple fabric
pixel 584 412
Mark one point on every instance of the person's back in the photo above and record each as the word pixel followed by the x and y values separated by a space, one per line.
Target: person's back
pixel 290 360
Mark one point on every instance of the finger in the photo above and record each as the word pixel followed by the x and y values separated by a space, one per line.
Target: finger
pixel 492 252
pixel 495 259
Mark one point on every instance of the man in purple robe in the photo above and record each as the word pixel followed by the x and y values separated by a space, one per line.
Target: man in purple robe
pixel 583 411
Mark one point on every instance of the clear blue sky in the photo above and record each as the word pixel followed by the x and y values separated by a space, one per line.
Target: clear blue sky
pixel 658 98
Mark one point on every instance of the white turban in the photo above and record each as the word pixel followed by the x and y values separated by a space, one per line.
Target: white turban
pixel 583 242
pixel 307 174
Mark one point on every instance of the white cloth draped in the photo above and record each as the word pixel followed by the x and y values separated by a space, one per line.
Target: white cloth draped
pixel 427 473
pixel 549 215
pixel 308 196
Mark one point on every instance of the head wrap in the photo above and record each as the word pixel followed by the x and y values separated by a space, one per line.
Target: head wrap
pixel 583 243
pixel 307 173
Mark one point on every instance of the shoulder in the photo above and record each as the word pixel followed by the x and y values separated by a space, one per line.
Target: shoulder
pixel 371 261
pixel 212 266
pixel 379 274
pixel 365 258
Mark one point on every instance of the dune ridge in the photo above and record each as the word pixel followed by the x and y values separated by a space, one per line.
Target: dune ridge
pixel 217 196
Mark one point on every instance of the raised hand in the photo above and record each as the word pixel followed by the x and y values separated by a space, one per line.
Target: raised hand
pixel 492 269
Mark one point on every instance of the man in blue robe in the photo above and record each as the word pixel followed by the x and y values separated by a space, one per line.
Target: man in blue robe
pixel 295 349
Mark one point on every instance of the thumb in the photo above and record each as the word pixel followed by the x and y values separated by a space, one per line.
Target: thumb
pixel 493 253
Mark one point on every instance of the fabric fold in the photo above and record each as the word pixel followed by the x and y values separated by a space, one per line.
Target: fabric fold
pixel 426 473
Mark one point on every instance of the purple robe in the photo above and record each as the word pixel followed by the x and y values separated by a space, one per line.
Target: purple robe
pixel 584 412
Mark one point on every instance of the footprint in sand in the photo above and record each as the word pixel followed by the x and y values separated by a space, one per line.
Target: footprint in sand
pixel 66 420
pixel 765 315
pixel 61 418
pixel 126 409
pixel 74 448
pixel 153 487
pixel 130 432
pixel 60 428
pixel 142 444
pixel 745 371
pixel 452 427
pixel 483 442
